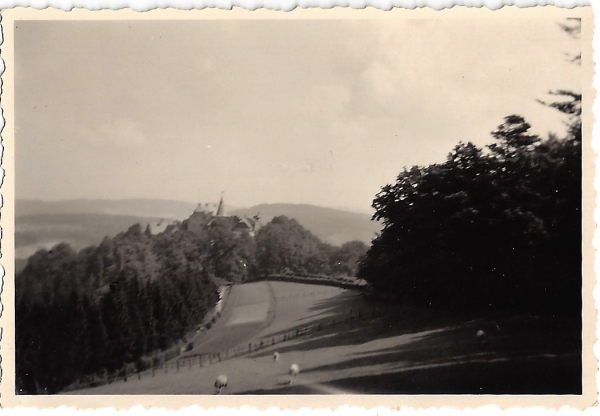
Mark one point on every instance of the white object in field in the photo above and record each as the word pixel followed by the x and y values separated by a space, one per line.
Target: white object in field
pixel 294 371
pixel 276 356
pixel 221 383
pixel 481 337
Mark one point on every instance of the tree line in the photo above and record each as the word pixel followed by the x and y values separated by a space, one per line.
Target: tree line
pixel 495 229
pixel 98 309
pixel 137 294
pixel 284 246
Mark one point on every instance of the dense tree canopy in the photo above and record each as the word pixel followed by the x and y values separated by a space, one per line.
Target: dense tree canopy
pixel 284 246
pixel 490 229
pixel 105 306
pixel 101 308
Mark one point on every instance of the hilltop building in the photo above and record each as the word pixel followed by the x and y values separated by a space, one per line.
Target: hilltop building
pixel 206 214
pixel 161 226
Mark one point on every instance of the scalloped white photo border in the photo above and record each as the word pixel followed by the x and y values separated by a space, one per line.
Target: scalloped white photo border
pixel 237 406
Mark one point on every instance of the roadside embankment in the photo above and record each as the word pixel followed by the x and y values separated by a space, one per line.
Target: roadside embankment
pixel 342 282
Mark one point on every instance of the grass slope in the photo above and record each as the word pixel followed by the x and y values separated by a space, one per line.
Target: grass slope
pixel 390 350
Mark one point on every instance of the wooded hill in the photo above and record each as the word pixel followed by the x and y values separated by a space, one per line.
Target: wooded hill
pixel 490 230
pixel 82 223
pixel 332 226
pixel 135 295
pixel 95 310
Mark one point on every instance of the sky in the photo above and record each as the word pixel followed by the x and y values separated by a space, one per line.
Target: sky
pixel 321 112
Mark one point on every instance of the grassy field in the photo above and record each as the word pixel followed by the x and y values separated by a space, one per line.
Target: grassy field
pixel 233 327
pixel 387 350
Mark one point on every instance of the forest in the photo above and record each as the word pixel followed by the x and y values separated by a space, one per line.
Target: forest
pixel 125 302
pixel 491 230
pixel 284 246
pixel 95 310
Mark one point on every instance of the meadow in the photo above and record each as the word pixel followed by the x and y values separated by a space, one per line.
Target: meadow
pixel 351 345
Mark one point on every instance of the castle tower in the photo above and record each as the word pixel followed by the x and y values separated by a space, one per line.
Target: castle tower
pixel 221 209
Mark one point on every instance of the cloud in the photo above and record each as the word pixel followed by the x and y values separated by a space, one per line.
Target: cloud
pixel 120 133
pixel 327 100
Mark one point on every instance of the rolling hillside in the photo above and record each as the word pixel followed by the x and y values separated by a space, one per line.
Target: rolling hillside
pixel 134 207
pixel 34 232
pixel 42 224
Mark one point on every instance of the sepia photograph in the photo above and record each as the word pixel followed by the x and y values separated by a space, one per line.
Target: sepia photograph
pixel 299 206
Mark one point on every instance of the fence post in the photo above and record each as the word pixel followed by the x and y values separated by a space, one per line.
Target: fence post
pixel 177 366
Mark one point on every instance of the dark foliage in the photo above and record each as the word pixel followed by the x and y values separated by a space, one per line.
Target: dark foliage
pixel 284 246
pixel 98 309
pixel 491 230
pixel 107 307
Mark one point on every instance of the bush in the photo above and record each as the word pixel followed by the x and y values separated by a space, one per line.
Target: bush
pixel 144 363
pixel 156 361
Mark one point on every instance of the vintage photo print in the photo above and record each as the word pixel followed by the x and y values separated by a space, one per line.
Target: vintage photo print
pixel 313 208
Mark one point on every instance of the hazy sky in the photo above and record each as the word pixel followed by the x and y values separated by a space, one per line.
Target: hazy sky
pixel 318 112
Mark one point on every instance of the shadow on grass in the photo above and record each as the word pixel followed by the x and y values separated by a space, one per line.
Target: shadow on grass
pixel 518 338
pixel 519 351
pixel 335 327
pixel 533 375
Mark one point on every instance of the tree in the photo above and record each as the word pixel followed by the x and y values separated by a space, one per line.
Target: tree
pixel 495 230
pixel 284 246
pixel 344 260
pixel 483 228
pixel 103 307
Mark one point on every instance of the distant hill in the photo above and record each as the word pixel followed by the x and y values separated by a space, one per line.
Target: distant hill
pixel 330 225
pixel 34 232
pixel 42 224
pixel 157 208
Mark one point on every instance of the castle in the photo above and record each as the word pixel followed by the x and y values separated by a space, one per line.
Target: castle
pixel 207 214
